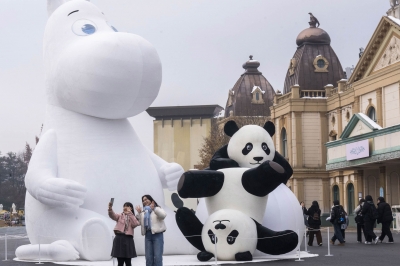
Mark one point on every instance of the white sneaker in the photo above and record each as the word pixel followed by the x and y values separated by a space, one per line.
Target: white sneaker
pixel 368 243
pixel 389 242
pixel 376 240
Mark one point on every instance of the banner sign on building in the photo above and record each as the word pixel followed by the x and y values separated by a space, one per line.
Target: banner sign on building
pixel 357 150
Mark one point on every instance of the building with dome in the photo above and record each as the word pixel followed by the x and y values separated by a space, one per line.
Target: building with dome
pixel 314 64
pixel 341 136
pixel 252 94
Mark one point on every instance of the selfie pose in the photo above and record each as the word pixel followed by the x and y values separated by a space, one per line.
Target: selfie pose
pixel 123 245
pixel 151 218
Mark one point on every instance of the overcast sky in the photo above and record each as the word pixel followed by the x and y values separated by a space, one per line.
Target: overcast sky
pixel 202 46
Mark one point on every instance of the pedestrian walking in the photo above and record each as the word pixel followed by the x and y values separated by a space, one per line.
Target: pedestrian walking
pixel 385 218
pixel 359 221
pixel 370 214
pixel 337 218
pixel 344 226
pixel 314 223
pixel 151 218
pixel 123 245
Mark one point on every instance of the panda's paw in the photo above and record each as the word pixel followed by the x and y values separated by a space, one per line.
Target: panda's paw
pixel 204 256
pixel 272 168
pixel 244 256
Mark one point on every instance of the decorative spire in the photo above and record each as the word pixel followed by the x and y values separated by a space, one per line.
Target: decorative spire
pixel 251 66
pixel 313 21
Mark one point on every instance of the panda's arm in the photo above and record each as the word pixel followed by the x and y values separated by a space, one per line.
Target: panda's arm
pixel 221 159
pixel 200 183
pixel 279 159
pixel 262 180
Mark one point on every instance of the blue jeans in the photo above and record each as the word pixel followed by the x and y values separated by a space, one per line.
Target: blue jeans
pixel 338 233
pixel 154 248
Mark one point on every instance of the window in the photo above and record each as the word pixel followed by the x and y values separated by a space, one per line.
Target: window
pixel 284 143
pixel 350 198
pixel 335 192
pixel 321 63
pixel 257 96
pixel 372 114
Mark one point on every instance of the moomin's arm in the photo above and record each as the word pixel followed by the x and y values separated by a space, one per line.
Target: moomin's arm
pixel 41 179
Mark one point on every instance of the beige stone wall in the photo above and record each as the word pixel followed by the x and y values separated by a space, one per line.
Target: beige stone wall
pixel 311 131
pixel 294 139
pixel 312 188
pixel 179 141
pixel 347 113
pixel 365 102
pixel 277 136
pixel 391 110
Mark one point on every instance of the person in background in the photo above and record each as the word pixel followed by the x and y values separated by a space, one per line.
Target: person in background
pixel 304 209
pixel 367 211
pixel 344 226
pixel 359 221
pixel 336 209
pixel 385 218
pixel 314 223
pixel 151 219
pixel 123 245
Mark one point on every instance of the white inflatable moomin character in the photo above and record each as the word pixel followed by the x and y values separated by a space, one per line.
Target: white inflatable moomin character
pixel 88 153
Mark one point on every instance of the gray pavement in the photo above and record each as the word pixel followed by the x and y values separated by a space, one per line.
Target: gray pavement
pixel 350 254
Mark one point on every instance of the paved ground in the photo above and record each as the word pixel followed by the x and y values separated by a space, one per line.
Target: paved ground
pixel 351 254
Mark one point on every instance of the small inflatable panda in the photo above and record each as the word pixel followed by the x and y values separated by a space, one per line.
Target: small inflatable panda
pixel 241 176
pixel 231 232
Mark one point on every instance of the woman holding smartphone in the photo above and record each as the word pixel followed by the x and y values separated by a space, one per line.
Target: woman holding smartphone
pixel 123 245
pixel 151 218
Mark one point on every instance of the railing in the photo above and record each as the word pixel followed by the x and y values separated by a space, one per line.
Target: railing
pixel 283 98
pixel 312 94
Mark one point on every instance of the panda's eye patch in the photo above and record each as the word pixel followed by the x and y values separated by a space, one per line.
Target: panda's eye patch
pixel 264 146
pixel 247 148
pixel 232 237
pixel 213 238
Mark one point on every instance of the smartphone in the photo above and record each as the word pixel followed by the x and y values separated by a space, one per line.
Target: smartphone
pixel 112 201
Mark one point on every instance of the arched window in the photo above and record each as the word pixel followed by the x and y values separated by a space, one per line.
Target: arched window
pixel 372 114
pixel 350 198
pixel 257 96
pixel 284 143
pixel 335 192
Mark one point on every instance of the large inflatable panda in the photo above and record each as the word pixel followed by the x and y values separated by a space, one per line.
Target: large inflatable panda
pixel 241 176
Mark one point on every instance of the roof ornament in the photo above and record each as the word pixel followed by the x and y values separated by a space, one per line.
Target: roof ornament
pixel 313 21
pixel 251 57
pixel 394 3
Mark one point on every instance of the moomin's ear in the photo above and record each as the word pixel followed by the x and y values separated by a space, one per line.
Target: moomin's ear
pixel 230 128
pixel 269 127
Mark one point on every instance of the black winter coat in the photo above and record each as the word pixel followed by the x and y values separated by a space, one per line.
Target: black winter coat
pixel 366 211
pixel 310 212
pixel 385 212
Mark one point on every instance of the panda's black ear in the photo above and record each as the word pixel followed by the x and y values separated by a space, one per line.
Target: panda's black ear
pixel 230 128
pixel 270 128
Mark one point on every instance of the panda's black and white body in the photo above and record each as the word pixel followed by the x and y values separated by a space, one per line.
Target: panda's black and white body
pixel 243 174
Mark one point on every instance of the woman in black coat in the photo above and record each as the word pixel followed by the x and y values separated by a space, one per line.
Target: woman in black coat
pixel 385 218
pixel 314 223
pixel 369 221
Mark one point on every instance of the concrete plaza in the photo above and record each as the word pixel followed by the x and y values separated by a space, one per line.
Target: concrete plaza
pixel 350 254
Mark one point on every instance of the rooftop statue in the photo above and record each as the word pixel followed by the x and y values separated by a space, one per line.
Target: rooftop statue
pixel 313 21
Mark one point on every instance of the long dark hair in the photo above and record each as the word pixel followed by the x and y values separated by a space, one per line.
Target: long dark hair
pixel 128 204
pixel 151 199
pixel 315 204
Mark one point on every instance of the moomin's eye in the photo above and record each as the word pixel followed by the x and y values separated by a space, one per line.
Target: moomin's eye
pixel 84 27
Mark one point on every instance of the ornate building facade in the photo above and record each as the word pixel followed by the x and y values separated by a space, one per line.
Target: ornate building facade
pixel 341 136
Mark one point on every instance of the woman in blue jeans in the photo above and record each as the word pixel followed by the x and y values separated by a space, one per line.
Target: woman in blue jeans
pixel 151 219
